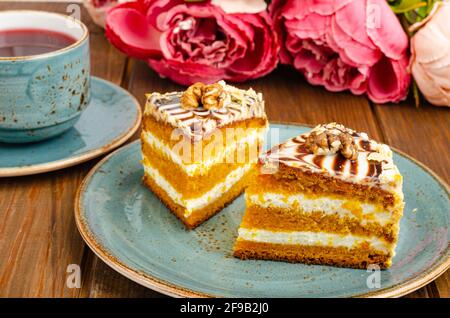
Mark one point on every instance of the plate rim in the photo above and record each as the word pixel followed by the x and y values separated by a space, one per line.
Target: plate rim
pixel 83 157
pixel 170 289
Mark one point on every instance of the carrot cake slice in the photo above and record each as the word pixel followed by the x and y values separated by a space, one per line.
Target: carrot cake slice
pixel 200 147
pixel 331 196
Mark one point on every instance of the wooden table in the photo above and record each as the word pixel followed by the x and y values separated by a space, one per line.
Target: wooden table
pixel 38 236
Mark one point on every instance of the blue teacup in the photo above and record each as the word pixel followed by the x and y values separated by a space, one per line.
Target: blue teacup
pixel 42 96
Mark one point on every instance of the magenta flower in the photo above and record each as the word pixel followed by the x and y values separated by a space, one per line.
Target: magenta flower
pixel 357 45
pixel 190 42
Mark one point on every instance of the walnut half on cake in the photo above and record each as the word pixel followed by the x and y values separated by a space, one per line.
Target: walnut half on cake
pixel 334 197
pixel 200 147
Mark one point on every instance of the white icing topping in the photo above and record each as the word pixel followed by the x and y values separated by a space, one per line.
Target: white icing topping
pixel 373 166
pixel 314 239
pixel 370 213
pixel 239 105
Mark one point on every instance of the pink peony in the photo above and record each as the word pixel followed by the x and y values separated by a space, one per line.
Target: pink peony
pixel 190 42
pixel 345 44
pixel 430 60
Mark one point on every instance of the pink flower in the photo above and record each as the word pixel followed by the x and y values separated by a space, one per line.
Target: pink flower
pixel 430 60
pixel 345 44
pixel 191 42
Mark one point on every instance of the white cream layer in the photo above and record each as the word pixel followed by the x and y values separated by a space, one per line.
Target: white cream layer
pixel 200 202
pixel 256 135
pixel 329 206
pixel 314 239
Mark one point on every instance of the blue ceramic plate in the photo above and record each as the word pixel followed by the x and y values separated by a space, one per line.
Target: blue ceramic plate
pixel 130 230
pixel 112 117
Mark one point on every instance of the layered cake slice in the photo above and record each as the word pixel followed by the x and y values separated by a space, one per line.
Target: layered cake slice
pixel 200 147
pixel 331 196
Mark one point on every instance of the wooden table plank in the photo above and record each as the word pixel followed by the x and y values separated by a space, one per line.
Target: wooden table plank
pixel 420 293
pixel 38 236
pixel 423 133
pixel 443 285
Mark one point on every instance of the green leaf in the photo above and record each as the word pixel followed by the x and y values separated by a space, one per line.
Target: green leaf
pixel 404 6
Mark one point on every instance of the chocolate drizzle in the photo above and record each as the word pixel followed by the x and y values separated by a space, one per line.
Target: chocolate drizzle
pixel 354 167
pixel 375 170
pixel 339 163
pixel 318 160
pixel 365 144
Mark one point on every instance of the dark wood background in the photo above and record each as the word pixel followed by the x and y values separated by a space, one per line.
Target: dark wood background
pixel 38 236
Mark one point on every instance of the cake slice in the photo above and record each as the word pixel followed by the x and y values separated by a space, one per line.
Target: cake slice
pixel 331 196
pixel 200 147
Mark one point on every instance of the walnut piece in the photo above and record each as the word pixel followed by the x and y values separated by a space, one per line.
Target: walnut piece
pixel 330 139
pixel 192 97
pixel 348 148
pixel 209 96
pixel 213 96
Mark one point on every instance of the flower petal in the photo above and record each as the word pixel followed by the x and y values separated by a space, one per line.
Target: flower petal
pixel 324 7
pixel 355 53
pixel 388 81
pixel 261 55
pixel 385 30
pixel 186 73
pixel 128 29
pixel 429 88
pixel 312 26
pixel 351 20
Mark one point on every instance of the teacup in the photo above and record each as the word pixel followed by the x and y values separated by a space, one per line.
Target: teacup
pixel 43 95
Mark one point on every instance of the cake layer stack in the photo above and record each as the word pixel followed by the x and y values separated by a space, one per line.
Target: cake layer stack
pixel 200 147
pixel 331 196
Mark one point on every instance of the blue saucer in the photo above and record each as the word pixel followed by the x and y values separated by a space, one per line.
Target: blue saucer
pixel 129 228
pixel 110 119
